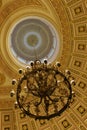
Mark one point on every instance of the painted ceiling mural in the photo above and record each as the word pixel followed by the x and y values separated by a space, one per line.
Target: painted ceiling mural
pixel 61 27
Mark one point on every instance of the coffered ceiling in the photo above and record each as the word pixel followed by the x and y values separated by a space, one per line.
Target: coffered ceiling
pixel 61 26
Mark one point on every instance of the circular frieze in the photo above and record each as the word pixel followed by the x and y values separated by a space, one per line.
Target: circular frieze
pixel 33 38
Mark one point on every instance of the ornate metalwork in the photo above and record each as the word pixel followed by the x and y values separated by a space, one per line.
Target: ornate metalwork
pixel 43 91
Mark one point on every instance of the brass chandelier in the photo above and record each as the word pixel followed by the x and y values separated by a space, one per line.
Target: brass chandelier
pixel 43 91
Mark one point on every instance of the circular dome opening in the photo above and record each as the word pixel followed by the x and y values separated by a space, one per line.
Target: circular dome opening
pixel 33 38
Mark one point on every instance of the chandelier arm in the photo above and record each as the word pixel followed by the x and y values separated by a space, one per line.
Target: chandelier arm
pixel 46 102
pixel 34 94
pixel 38 103
pixel 59 95
pixel 51 90
pixel 51 99
pixel 25 98
pixel 32 91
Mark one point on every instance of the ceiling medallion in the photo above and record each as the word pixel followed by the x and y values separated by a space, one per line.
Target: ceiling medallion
pixel 43 91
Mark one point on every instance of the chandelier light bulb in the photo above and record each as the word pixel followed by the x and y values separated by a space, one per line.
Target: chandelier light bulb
pixel 45 61
pixel 67 72
pixel 27 67
pixel 73 93
pixel 72 82
pixel 38 62
pixel 14 81
pixel 31 63
pixel 12 93
pixel 58 64
pixel 20 71
pixel 16 104
pixel 25 89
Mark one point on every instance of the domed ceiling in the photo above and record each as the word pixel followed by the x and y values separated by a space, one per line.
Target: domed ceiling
pixel 51 29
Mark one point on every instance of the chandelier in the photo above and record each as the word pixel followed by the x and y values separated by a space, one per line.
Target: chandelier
pixel 43 91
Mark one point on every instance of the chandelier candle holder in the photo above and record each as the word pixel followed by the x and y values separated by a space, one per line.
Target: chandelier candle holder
pixel 43 91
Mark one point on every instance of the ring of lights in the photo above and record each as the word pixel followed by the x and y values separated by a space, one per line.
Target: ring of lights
pixel 45 88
